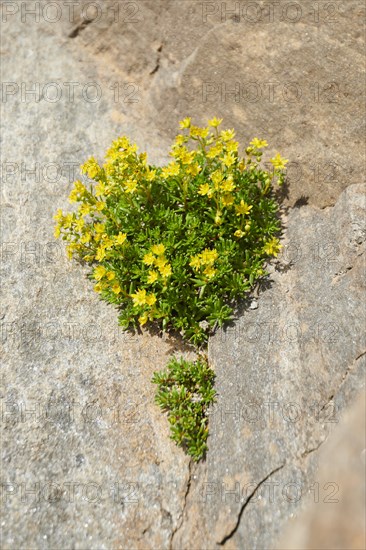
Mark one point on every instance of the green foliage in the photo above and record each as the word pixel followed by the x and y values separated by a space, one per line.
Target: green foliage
pixel 185 391
pixel 176 245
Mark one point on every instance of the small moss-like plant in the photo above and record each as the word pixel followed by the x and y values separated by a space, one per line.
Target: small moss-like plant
pixel 177 245
pixel 185 391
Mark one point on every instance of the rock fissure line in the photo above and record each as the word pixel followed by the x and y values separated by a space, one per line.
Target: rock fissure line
pixel 181 518
pixel 303 455
pixel 344 377
pixel 79 28
pixel 309 451
pixel 252 494
pixel 157 66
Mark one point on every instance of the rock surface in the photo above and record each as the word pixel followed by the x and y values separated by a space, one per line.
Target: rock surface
pixel 289 71
pixel 285 372
pixel 337 521
pixel 86 457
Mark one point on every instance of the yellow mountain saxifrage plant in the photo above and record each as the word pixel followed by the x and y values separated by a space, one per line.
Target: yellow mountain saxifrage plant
pixel 177 245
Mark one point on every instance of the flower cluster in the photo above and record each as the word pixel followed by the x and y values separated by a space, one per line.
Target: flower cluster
pixel 176 244
pixel 205 260
pixel 157 259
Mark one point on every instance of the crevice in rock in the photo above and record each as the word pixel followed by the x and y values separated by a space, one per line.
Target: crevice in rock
pixel 157 66
pixel 180 520
pixel 252 494
pixel 79 28
pixel 345 375
pixel 309 451
pixel 330 399
pixel 345 270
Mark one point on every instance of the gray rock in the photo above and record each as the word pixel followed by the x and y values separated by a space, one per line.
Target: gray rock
pixel 285 372
pixel 86 456
pixel 338 519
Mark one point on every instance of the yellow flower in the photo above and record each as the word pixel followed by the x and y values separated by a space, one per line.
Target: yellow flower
pixel 91 168
pixel 99 272
pixel 227 199
pixel 195 262
pixel 158 249
pixel 217 177
pixel 99 205
pixel 205 189
pixel 80 187
pixel 120 143
pixel 143 319
pixel 278 162
pixel 196 131
pixel 85 209
pixel 242 166
pixel 120 238
pixel 100 189
pixel 111 275
pixel 171 170
pixel 150 299
pixel 243 208
pixel 259 143
pixel 227 185
pixel 149 259
pixel 209 256
pixel 107 242
pixel 150 175
pixel 227 135
pixel 160 262
pixel 210 272
pixel 131 149
pixel 74 195
pixel 116 288
pixel 101 253
pixel 232 147
pixel 152 277
pixel 143 158
pixel 215 122
pixel 67 222
pixel 59 215
pixel 166 270
pixel 178 151
pixel 215 151
pixel 193 169
pixel 98 287
pixel 239 233
pixel 272 247
pixel 99 227
pixel 85 238
pixel 179 140
pixel 139 297
pixel 70 249
pixel 185 123
pixel 187 157
pixel 228 160
pixel 130 186
pixel 57 232
pixel 79 224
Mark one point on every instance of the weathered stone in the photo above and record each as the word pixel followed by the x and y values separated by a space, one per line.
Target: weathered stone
pixel 79 423
pixel 336 519
pixel 289 72
pixel 285 372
